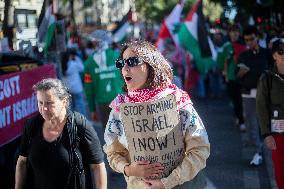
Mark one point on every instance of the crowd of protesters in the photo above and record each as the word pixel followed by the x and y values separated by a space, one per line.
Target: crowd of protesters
pixel 244 53
pixel 251 62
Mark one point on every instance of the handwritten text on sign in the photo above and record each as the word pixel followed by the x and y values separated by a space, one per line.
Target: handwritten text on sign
pixel 154 133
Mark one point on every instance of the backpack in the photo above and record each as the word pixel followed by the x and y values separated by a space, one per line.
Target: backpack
pixel 271 108
pixel 80 172
pixel 268 80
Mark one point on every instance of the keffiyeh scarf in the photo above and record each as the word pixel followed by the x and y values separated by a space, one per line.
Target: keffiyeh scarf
pixel 147 95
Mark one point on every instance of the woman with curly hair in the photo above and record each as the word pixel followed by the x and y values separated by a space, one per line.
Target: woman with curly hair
pixel 148 78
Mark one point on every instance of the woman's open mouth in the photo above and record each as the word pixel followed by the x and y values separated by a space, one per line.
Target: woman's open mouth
pixel 127 78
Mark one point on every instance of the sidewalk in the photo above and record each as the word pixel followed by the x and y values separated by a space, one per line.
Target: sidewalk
pixel 269 165
pixel 228 164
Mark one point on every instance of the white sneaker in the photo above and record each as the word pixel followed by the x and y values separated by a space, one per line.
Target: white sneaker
pixel 256 160
pixel 236 121
pixel 243 127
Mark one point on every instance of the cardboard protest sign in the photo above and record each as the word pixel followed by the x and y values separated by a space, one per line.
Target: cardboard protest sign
pixel 153 132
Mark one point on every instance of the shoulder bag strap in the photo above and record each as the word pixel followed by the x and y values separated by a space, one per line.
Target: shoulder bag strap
pixel 72 135
pixel 75 161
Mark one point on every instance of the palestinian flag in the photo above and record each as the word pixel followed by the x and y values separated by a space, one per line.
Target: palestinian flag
pixel 168 27
pixel 194 38
pixel 120 32
pixel 47 25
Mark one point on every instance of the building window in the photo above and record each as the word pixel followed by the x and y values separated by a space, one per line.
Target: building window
pixel 88 3
pixel 21 20
pixel 32 21
pixel 89 18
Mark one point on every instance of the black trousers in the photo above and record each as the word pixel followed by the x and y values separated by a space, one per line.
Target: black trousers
pixel 234 92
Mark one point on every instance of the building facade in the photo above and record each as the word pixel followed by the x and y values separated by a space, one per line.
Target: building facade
pixel 98 12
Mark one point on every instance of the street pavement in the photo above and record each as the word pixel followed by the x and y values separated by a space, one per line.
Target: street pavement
pixel 228 165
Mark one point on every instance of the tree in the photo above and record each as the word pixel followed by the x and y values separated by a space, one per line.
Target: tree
pixel 157 10
pixel 212 10
pixel 270 10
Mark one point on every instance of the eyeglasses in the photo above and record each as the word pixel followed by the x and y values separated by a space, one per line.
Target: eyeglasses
pixel 131 62
pixel 280 51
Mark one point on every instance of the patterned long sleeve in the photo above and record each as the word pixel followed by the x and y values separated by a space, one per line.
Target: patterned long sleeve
pixel 117 154
pixel 197 149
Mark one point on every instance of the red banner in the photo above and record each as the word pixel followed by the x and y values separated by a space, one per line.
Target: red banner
pixel 18 100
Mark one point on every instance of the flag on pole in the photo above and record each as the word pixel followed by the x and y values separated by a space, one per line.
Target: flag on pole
pixel 47 24
pixel 194 38
pixel 120 32
pixel 168 26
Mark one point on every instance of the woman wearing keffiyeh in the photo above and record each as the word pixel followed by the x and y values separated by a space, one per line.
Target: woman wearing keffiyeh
pixel 148 78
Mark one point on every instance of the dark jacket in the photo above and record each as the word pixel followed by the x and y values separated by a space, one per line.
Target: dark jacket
pixel 257 63
pixel 270 84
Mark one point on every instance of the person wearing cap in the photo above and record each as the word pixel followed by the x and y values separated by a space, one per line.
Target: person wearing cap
pixel 148 78
pixel 270 110
pixel 102 80
pixel 251 64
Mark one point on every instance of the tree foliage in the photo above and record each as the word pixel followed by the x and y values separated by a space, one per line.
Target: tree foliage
pixel 212 10
pixel 157 10
pixel 265 9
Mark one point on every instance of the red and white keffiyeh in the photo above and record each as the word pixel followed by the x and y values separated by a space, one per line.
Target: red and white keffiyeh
pixel 147 95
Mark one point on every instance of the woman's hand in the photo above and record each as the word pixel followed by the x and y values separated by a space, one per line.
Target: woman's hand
pixel 143 169
pixel 100 174
pixel 270 142
pixel 154 184
pixel 21 172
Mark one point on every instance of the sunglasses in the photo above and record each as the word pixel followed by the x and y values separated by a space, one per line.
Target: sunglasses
pixel 280 51
pixel 131 62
